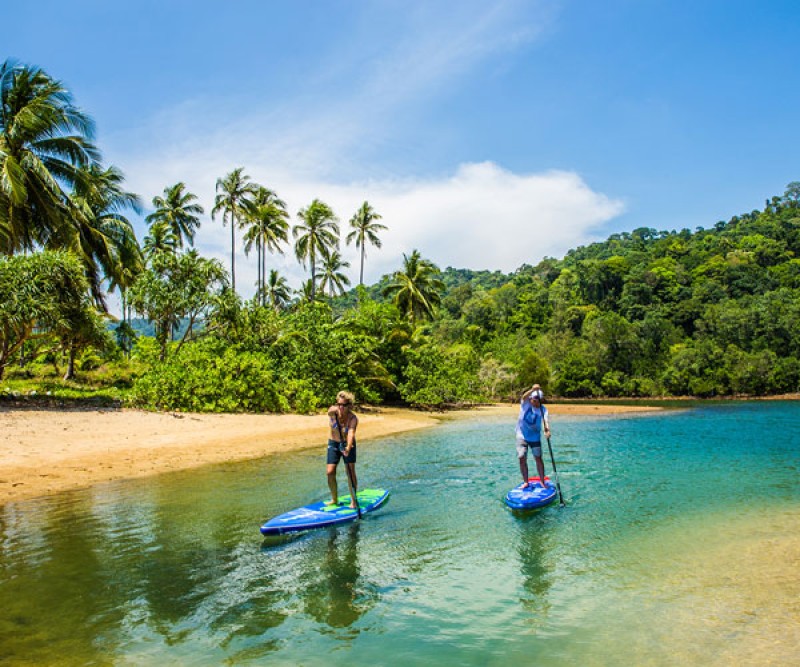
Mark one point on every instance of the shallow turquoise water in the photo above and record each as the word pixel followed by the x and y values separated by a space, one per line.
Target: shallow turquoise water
pixel 649 563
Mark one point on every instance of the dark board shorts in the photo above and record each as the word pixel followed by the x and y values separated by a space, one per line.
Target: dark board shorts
pixel 334 453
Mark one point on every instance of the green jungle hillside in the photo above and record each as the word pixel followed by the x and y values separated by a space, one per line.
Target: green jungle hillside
pixel 648 313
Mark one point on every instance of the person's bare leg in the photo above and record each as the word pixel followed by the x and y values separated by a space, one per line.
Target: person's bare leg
pixel 352 468
pixel 540 469
pixel 331 470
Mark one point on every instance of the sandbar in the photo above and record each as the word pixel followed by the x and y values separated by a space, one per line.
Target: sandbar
pixel 45 451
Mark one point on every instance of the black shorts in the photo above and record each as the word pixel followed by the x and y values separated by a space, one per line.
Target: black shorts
pixel 334 453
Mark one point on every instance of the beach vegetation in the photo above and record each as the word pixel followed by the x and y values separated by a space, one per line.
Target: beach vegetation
pixel 316 237
pixel 44 295
pixel 177 215
pixel 209 376
pixel 174 287
pixel 365 228
pixel 44 141
pixel 235 201
pixel 332 279
pixel 416 288
pixel 267 230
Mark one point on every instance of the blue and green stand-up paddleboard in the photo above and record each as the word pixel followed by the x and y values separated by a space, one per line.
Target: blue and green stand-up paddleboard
pixel 534 496
pixel 318 515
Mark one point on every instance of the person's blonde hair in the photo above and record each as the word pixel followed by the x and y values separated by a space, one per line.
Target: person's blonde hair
pixel 346 396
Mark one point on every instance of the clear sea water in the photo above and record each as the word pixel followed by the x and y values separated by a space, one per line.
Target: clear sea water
pixel 678 545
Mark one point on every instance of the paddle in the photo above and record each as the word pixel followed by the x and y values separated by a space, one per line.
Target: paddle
pixel 555 472
pixel 350 482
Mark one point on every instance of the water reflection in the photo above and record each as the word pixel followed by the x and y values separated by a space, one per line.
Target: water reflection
pixel 58 594
pixel 333 594
pixel 535 569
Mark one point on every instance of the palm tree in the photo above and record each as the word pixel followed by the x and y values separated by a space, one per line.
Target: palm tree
pixel 177 209
pixel 316 236
pixel 365 229
pixel 161 239
pixel 306 291
pixel 277 290
pixel 235 201
pixel 106 243
pixel 44 140
pixel 124 282
pixel 267 228
pixel 416 288
pixel 331 277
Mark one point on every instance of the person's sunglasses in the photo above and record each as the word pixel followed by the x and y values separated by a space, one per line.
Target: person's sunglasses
pixel 343 405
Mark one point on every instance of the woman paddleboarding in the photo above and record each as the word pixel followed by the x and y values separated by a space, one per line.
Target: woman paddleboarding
pixel 342 444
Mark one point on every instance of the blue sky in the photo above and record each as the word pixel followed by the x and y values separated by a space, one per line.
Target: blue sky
pixel 487 134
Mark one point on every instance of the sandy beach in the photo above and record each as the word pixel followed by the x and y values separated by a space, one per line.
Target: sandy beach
pixel 45 451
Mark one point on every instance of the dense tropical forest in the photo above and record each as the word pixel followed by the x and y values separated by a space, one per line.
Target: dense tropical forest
pixel 647 313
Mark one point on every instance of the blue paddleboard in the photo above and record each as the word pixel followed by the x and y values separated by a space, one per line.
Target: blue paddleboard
pixel 318 515
pixel 536 495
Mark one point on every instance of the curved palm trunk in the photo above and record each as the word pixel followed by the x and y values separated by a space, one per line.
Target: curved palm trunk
pixel 361 276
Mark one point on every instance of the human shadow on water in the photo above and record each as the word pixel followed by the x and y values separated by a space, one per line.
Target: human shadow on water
pixel 332 591
pixel 535 569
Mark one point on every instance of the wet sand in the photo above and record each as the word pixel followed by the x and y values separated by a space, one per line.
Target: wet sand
pixel 46 451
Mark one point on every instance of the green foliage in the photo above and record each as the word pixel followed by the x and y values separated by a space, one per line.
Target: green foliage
pixel 83 329
pixel 44 141
pixel 329 355
pixel 125 336
pixel 246 324
pixel 102 382
pixel 532 368
pixel 208 376
pixel 42 294
pixel 416 289
pixel 177 286
pixel 575 373
pixel 381 337
pixel 436 377
pixel 496 378
pixel 697 369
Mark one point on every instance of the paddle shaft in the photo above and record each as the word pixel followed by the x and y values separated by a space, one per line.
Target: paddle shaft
pixel 555 472
pixel 350 481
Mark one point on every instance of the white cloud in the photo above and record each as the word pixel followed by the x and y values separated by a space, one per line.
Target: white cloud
pixel 485 217
pixel 480 217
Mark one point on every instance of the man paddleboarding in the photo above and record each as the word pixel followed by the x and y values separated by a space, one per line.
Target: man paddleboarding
pixel 532 415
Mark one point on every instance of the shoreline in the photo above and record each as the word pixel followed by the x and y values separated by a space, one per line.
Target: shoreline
pixel 46 451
